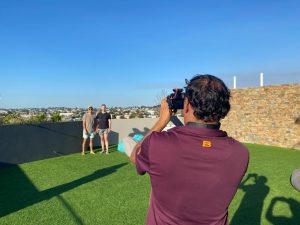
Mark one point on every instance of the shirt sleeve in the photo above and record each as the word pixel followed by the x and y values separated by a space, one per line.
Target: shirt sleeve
pixel 142 160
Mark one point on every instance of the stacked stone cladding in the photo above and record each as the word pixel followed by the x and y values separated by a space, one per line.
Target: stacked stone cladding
pixel 267 115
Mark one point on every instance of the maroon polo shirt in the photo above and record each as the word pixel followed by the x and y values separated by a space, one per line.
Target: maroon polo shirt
pixel 194 172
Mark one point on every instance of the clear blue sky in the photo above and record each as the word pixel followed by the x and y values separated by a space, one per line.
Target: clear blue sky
pixel 122 53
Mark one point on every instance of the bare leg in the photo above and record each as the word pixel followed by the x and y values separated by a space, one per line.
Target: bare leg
pixel 91 146
pixel 83 146
pixel 106 142
pixel 102 142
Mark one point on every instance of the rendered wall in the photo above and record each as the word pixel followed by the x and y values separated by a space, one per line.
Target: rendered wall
pixel 30 142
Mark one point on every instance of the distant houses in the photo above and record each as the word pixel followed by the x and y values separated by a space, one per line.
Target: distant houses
pixel 74 114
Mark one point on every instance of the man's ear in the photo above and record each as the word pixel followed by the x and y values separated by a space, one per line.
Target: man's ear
pixel 186 105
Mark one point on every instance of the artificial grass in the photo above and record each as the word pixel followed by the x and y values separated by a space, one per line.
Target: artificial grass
pixel 269 199
pixel 105 189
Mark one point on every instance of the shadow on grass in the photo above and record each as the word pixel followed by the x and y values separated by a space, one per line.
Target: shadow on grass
pixel 17 191
pixel 4 165
pixel 113 148
pixel 76 218
pixel 250 209
pixel 284 220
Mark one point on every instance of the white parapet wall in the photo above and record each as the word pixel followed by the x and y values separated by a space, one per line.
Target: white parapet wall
pixel 22 143
pixel 128 127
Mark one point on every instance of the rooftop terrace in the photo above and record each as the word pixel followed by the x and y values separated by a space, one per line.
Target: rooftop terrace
pixel 105 189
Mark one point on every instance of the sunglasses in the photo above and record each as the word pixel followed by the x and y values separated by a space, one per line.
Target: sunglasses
pixel 90 109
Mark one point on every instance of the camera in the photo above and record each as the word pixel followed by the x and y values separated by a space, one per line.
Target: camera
pixel 176 99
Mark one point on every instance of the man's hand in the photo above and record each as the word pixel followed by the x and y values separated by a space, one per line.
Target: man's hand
pixel 164 119
pixel 165 113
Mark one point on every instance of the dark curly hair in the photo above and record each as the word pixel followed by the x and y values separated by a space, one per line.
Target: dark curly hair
pixel 209 97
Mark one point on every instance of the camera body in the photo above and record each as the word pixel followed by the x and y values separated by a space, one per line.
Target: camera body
pixel 176 99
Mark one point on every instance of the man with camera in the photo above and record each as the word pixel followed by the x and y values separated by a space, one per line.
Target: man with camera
pixel 195 169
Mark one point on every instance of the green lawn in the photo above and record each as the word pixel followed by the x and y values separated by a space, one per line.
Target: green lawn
pixel 105 189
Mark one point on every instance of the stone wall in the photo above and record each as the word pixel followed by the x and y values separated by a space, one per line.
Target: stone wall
pixel 265 115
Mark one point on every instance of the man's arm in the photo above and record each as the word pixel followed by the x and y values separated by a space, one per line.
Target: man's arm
pixel 84 125
pixel 164 119
pixel 97 122
pixel 109 125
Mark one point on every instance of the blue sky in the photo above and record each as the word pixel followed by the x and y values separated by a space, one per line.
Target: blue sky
pixel 124 53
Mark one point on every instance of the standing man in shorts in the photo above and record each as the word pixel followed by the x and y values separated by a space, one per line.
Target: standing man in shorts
pixel 89 125
pixel 104 124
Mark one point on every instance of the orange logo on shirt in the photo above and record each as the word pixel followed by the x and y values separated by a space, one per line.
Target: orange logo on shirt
pixel 206 144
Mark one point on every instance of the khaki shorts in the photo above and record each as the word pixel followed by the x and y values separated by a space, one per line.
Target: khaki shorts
pixel 103 131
